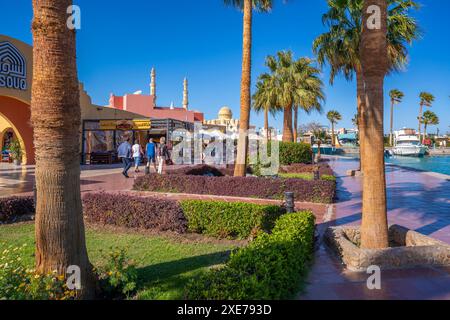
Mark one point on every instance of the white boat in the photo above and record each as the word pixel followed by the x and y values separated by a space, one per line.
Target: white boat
pixel 407 143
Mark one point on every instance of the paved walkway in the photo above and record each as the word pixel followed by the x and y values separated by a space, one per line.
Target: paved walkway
pixel 417 200
pixel 20 180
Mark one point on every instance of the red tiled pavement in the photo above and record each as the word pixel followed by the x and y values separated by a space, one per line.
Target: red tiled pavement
pixel 416 200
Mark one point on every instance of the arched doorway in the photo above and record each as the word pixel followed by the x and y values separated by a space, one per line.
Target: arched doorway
pixel 15 124
pixel 7 137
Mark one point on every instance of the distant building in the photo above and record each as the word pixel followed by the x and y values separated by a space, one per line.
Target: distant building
pixel 224 120
pixel 347 138
pixel 146 106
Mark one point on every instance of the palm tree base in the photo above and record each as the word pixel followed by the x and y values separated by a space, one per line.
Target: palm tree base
pixel 407 249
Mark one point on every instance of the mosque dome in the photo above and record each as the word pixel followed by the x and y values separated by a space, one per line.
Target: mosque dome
pixel 225 113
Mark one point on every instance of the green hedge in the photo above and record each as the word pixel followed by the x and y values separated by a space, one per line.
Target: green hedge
pixel 291 152
pixel 229 219
pixel 271 267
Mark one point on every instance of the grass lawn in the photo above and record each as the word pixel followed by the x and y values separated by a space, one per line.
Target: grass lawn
pixel 306 176
pixel 165 264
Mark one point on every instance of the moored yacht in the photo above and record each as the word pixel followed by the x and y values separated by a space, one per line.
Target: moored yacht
pixel 407 143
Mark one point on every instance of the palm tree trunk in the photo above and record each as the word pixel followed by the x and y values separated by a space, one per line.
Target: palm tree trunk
pixel 361 107
pixel 295 123
pixel 333 144
pixel 424 133
pixel 56 117
pixel 420 121
pixel 244 122
pixel 287 124
pixel 374 226
pixel 266 123
pixel 391 135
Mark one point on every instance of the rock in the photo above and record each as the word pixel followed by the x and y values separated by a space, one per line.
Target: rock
pixel 354 173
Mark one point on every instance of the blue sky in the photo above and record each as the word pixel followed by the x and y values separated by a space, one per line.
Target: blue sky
pixel 120 41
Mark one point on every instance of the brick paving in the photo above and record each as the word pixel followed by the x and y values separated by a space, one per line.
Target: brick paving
pixel 417 200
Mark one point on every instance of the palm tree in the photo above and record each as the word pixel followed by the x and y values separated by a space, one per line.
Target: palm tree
pixel 355 120
pixel 333 116
pixel 311 99
pixel 375 64
pixel 244 122
pixel 265 99
pixel 296 84
pixel 56 117
pixel 429 118
pixel 396 98
pixel 426 100
pixel 319 134
pixel 340 45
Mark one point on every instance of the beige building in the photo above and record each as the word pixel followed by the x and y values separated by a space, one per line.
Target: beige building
pixel 225 120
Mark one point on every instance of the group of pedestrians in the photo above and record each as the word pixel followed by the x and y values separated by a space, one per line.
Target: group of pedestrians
pixel 158 155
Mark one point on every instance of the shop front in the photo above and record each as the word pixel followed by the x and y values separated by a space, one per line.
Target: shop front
pixel 101 138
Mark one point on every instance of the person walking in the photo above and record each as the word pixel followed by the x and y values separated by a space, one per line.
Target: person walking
pixel 124 153
pixel 163 155
pixel 151 154
pixel 137 155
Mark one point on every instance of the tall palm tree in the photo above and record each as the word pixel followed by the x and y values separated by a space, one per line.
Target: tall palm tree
pixel 339 46
pixel 56 118
pixel 426 100
pixel 265 99
pixel 297 83
pixel 429 118
pixel 396 97
pixel 333 116
pixel 244 121
pixel 375 64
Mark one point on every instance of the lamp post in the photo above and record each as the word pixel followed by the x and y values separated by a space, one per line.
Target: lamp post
pixel 289 202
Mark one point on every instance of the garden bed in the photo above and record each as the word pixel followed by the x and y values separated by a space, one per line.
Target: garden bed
pixel 220 219
pixel 271 266
pixel 214 218
pixel 206 183
pixel 16 209
pixel 324 168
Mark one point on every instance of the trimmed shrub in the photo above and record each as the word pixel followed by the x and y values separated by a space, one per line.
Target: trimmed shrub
pixel 201 170
pixel 13 207
pixel 134 212
pixel 291 152
pixel 214 218
pixel 250 187
pixel 229 219
pixel 271 267
pixel 324 168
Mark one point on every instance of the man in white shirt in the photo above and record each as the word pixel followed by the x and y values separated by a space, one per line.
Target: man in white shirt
pixel 137 155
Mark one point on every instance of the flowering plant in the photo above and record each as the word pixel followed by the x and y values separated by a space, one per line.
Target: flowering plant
pixel 18 282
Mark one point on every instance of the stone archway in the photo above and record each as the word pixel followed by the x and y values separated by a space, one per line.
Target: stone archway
pixel 16 116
